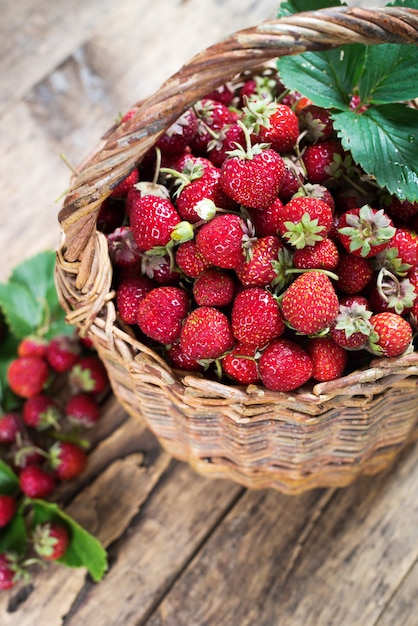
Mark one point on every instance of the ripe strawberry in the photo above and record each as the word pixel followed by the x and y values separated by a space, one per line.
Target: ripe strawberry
pixel 225 141
pixel 159 268
pixel 212 116
pixel 123 249
pixel 253 176
pixel 8 571
pixel 256 318
pixel 323 255
pixel 222 240
pixel 206 334
pixel 305 220
pixel 50 540
pixel 310 304
pixel 323 161
pixel 354 273
pixel 223 94
pixel 351 328
pixel 41 412
pixel 391 293
pixel 8 508
pixel 273 123
pixel 161 313
pixel 28 375
pixel 190 260
pixel 11 425
pixel 402 254
pixel 241 365
pixel 180 134
pixel 182 361
pixel 32 346
pixel 82 409
pixel 63 352
pixel 365 231
pixel 317 123
pixel 213 287
pixel 259 269
pixel 284 366
pixel 266 222
pixel 35 482
pixel 129 293
pixel 67 459
pixel 122 188
pixel 393 334
pixel 88 374
pixel 152 220
pixel 328 358
pixel 401 210
pixel 207 188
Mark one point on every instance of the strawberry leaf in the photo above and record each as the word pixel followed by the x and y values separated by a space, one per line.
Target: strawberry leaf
pixel 84 550
pixel 9 482
pixel 21 310
pixel 383 140
pixel 8 351
pixel 13 537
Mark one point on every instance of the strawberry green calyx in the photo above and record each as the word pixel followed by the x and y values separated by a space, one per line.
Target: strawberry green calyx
pixel 306 232
pixel 257 112
pixel 249 150
pixel 281 268
pixel 397 294
pixel 50 540
pixel 183 178
pixel 354 319
pixel 389 258
pixel 367 229
pixel 148 188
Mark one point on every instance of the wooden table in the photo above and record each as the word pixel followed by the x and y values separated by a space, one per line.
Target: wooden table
pixel 183 550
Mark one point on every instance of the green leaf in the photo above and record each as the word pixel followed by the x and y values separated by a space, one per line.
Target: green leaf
pixel 84 550
pixel 8 350
pixel 412 4
pixel 390 74
pixel 13 537
pixel 9 482
pixel 383 141
pixel 326 78
pixel 296 6
pixel 22 311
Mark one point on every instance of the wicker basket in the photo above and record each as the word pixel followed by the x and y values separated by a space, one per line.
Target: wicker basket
pixel 324 435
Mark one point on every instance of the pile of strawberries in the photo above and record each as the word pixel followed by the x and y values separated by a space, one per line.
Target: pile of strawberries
pixel 247 244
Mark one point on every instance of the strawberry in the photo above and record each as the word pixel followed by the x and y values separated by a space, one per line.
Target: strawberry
pixel 63 352
pixel 213 287
pixel 392 334
pixel 8 508
pixel 161 313
pixel 50 540
pixel 8 571
pixel 294 177
pixel 88 374
pixel 241 365
pixel 32 346
pixel 391 293
pixel 41 412
pixel 400 210
pixel 221 241
pixel 305 220
pixel 152 220
pixel 310 304
pixel 266 222
pixel 259 269
pixel 205 188
pixel 354 273
pixel 222 94
pixel 328 358
pixel 206 334
pixel 212 116
pixel 316 122
pixel 129 293
pixel 365 231
pixel 402 254
pixel 111 215
pixel 272 122
pixel 35 482
pixel 28 375
pixel 67 459
pixel 122 188
pixel 323 255
pixel 159 268
pixel 323 161
pixel 190 260
pixel 284 366
pixel 256 318
pixel 182 361
pixel 11 425
pixel 123 249
pixel 225 140
pixel 180 134
pixel 351 328
pixel 82 409
pixel 252 176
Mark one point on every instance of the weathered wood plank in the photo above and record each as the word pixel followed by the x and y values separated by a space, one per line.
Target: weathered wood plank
pixel 402 606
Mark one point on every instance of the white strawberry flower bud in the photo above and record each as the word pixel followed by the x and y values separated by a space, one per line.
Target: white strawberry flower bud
pixel 206 209
pixel 182 232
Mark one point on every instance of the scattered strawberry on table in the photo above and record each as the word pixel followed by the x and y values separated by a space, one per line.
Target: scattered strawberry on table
pixel 51 385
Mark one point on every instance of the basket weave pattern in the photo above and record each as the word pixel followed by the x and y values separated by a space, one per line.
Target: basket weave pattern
pixel 325 435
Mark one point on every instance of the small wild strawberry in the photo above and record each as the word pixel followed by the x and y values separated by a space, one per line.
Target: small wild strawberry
pixel 221 241
pixel 272 123
pixel 32 346
pixel 213 287
pixel 351 328
pixel 129 293
pixel 67 459
pixel 88 374
pixel 9 573
pixel 8 508
pixel 50 540
pixel 241 365
pixel 256 317
pixel 328 358
pixel 365 231
pixel 304 220
pixel 41 412
pixel 11 425
pixel 82 409
pixel 323 160
pixel 63 352
pixel 206 334
pixel 259 269
pixel 354 273
pixel 190 259
pixel 284 365
pixel 323 255
pixel 35 482
pixel 161 313
pixel 152 221
pixel 28 375
pixel 392 334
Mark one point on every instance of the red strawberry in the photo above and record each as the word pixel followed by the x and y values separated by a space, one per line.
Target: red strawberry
pixel 365 231
pixel 273 123
pixel 67 459
pixel 391 293
pixel 180 134
pixel 8 571
pixel 35 482
pixel 212 116
pixel 28 375
pixel 352 328
pixel 222 94
pixel 253 176
pixel 323 160
pixel 129 293
pixel 225 141
pixel 206 334
pixel 190 259
pixel 304 220
pixel 41 412
pixel 317 123
pixel 259 269
pixel 194 196
pixel 82 409
pixel 284 366
pixel 50 540
pixel 89 374
pixel 401 210
pixel 122 188
pixel 182 361
pixel 152 220
pixel 123 250
pixel 63 352
pixel 266 222
pixel 354 273
pixel 8 508
pixel 241 365
pixel 213 287
pixel 328 358
pixel 161 313
pixel 310 303
pixel 111 215
pixel 11 425
pixel 402 253
pixel 222 240
pixel 323 255
pixel 393 334
pixel 159 268
pixel 32 346
pixel 256 318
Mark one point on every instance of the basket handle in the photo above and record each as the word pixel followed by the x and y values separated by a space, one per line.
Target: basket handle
pixel 123 149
